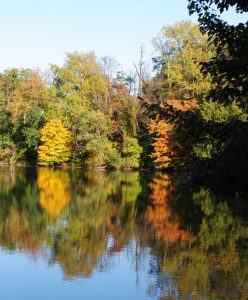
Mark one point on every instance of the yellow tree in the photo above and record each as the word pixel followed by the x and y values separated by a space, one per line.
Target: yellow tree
pixel 56 144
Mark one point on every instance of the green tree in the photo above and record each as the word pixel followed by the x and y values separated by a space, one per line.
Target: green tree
pixel 222 120
pixel 181 48
pixel 228 67
pixel 92 131
pixel 131 152
pixel 82 82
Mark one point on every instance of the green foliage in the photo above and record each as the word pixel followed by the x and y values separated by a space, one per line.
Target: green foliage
pixel 131 152
pixel 106 122
pixel 212 136
pixel 220 113
pixel 115 160
pixel 82 78
pixel 91 133
pixel 181 48
pixel 98 152
pixel 207 149
pixel 28 134
pixel 228 67
pixel 7 150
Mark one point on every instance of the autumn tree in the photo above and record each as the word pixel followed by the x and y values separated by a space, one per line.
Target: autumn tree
pixel 181 47
pixel 23 96
pixel 20 89
pixel 162 144
pixel 124 109
pixel 218 131
pixel 82 82
pixel 165 147
pixel 55 145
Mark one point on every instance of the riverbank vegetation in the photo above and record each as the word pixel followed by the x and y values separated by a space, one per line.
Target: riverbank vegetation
pixel 189 111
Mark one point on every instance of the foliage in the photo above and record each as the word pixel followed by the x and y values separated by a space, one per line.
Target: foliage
pixel 131 152
pixel 228 67
pixel 81 81
pixel 181 48
pixel 91 133
pixel 190 112
pixel 97 109
pixel 98 151
pixel 7 150
pixel 162 145
pixel 56 143
pixel 115 160
pixel 125 111
pixel 210 134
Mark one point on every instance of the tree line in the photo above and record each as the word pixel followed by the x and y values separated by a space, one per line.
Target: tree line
pixel 189 111
pixel 75 115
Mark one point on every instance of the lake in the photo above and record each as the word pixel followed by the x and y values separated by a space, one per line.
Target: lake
pixel 74 234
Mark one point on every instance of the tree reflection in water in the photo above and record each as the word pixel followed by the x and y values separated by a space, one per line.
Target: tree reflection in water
pixel 54 190
pixel 193 240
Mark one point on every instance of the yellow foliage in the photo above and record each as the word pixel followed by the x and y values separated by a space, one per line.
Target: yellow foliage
pixel 54 190
pixel 56 140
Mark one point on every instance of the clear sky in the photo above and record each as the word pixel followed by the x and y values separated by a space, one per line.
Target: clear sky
pixel 35 33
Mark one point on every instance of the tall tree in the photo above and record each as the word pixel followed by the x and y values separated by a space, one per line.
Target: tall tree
pixel 181 48
pixel 81 80
pixel 229 67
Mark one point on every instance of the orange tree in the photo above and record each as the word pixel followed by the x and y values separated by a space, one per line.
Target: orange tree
pixel 55 144
pixel 162 145
pixel 161 129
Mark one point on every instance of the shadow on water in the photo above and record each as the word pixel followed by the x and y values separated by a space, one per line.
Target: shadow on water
pixel 192 237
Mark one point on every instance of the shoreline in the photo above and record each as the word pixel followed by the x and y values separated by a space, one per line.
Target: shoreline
pixel 28 165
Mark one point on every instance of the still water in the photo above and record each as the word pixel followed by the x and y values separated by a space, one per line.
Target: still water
pixel 119 235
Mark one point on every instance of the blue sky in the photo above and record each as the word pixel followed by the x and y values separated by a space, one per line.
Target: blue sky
pixel 35 33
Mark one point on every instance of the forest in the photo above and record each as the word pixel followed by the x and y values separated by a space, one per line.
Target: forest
pixel 188 112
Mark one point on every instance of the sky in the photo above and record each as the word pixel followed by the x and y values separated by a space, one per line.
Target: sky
pixel 35 33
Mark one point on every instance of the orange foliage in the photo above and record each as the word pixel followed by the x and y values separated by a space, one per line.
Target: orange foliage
pixel 54 190
pixel 162 145
pixel 182 105
pixel 166 226
pixel 163 150
pixel 33 86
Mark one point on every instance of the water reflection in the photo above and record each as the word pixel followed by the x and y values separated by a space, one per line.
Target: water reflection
pixel 187 241
pixel 54 190
pixel 166 225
